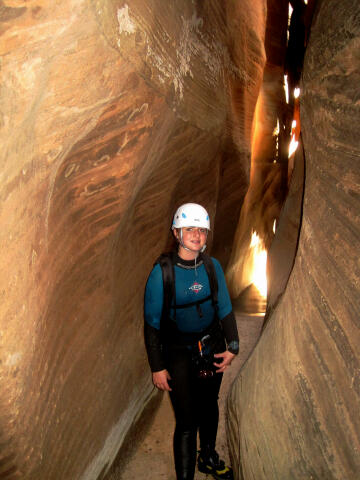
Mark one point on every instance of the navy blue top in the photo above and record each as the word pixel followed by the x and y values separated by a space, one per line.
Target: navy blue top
pixel 191 284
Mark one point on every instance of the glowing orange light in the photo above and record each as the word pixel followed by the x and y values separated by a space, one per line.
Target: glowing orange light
pixel 286 88
pixel 293 146
pixel 258 271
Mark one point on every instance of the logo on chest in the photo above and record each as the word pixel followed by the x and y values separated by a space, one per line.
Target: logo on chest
pixel 196 287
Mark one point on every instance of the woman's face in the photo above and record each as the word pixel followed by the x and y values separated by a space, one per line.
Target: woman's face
pixel 193 238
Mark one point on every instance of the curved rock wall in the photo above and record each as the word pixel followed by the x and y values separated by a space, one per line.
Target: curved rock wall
pixel 111 113
pixel 293 410
pixel 268 178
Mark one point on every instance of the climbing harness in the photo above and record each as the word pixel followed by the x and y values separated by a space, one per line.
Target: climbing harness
pixel 202 345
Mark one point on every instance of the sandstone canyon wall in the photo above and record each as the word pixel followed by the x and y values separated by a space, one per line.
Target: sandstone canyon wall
pixel 293 410
pixel 111 113
pixel 269 146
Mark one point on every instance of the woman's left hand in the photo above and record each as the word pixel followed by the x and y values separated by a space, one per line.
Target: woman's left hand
pixel 227 359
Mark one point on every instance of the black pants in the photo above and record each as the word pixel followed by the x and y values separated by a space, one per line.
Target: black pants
pixel 195 403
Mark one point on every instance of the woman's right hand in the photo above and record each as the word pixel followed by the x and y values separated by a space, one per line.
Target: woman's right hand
pixel 160 380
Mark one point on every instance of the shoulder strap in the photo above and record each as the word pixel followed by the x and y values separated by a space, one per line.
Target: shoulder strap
pixel 167 268
pixel 210 270
pixel 166 262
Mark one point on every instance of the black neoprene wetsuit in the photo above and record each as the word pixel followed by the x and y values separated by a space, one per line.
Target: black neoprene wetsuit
pixel 194 399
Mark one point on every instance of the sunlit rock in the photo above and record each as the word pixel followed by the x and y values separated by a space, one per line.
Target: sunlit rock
pixel 293 410
pixel 268 178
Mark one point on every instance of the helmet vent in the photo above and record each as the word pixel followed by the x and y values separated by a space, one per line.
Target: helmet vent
pixel 191 214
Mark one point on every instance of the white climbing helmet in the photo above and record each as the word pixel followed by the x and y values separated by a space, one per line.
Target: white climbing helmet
pixel 191 215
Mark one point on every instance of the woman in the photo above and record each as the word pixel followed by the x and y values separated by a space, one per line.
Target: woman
pixel 188 317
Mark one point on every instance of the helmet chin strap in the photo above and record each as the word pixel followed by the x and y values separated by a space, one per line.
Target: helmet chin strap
pixel 187 248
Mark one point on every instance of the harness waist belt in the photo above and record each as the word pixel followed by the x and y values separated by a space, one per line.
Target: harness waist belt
pixel 179 338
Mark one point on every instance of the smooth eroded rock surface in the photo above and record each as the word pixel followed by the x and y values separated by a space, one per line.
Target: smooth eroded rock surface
pixel 112 113
pixel 293 410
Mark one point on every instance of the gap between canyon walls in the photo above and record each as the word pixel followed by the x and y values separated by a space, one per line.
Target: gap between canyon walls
pixel 293 407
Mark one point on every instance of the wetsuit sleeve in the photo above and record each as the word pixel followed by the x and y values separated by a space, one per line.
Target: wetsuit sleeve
pixel 154 348
pixel 153 302
pixel 231 333
pixel 226 315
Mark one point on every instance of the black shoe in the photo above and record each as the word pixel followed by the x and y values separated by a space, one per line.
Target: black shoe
pixel 210 463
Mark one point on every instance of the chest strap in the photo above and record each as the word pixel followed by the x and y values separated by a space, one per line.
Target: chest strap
pixel 197 303
pixel 191 304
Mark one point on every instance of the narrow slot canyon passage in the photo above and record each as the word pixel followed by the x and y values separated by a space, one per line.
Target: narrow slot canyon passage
pixel 113 113
pixel 150 450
